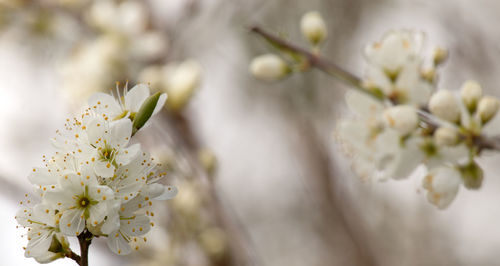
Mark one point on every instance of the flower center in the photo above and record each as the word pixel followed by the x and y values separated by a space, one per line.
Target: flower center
pixel 83 202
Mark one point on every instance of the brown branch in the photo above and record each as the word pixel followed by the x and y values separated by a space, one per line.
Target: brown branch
pixel 72 255
pixel 85 239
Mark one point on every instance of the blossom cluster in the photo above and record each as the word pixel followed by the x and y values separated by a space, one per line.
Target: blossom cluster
pixel 97 181
pixel 399 119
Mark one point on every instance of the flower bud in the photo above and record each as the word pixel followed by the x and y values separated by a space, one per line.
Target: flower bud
pixel 471 93
pixel 444 105
pixel 313 27
pixel 440 55
pixel 402 118
pixel 269 67
pixel 445 136
pixel 429 74
pixel 487 108
pixel 472 175
pixel 181 82
pixel 442 185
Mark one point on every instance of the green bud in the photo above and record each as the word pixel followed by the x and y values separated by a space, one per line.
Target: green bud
pixel 472 175
pixel 145 112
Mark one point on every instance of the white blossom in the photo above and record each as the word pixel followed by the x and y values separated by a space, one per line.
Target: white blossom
pixel 395 68
pixel 123 106
pixel 446 136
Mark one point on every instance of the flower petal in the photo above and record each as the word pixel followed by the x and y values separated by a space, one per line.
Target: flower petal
pixel 118 244
pixel 104 103
pixel 72 222
pixel 104 169
pixel 136 96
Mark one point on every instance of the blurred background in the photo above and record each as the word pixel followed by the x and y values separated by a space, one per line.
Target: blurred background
pixel 261 179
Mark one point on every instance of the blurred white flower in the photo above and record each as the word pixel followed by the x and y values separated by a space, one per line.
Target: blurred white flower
pixel 395 68
pixel 127 17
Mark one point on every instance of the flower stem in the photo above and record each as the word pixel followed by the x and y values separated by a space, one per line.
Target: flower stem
pixel 85 239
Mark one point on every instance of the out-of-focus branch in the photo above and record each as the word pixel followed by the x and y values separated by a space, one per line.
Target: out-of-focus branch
pixel 181 133
pixel 481 142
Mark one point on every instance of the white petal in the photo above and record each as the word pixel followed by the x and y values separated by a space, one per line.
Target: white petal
pixel 105 104
pixel 104 169
pixel 137 226
pixel 112 223
pixel 118 244
pixel 97 213
pixel 136 96
pixel 95 129
pixel 23 215
pixel 39 242
pixel 125 156
pixel 72 222
pixel 120 133
pixel 169 193
pixel 41 176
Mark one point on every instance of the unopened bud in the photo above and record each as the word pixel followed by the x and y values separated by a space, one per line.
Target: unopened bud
pixel 429 74
pixel 471 93
pixel 444 105
pixel 402 118
pixel 472 175
pixel 445 136
pixel 269 67
pixel 440 55
pixel 487 108
pixel 181 82
pixel 313 27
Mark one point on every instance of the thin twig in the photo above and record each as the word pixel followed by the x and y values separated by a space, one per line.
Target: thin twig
pixel 72 255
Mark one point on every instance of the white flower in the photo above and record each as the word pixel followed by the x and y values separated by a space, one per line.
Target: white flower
pixel 269 67
pixel 128 106
pixel 487 108
pixel 378 150
pixel 396 49
pixel 402 118
pixel 442 185
pixel 395 68
pixel 471 93
pixel 105 147
pixel 128 17
pixel 42 221
pixel 444 105
pixel 80 200
pixel 313 27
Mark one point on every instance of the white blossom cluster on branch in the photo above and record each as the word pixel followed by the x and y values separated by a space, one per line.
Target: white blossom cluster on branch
pixel 97 181
pixel 399 118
